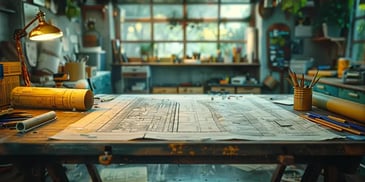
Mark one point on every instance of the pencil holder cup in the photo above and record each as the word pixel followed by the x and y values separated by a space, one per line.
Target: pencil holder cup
pixel 76 70
pixel 302 99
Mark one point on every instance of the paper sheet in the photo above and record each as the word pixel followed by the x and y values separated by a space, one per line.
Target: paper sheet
pixel 192 117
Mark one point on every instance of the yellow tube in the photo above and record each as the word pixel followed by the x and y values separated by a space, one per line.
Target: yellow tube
pixel 344 107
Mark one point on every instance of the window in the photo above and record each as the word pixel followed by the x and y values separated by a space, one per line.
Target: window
pixel 358 42
pixel 182 27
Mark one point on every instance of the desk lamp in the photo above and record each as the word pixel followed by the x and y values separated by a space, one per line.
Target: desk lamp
pixel 43 31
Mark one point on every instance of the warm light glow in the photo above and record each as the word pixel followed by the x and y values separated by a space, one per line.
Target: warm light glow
pixel 46 36
pixel 45 31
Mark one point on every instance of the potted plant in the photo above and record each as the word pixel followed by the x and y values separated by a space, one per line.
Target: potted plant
pixel 335 14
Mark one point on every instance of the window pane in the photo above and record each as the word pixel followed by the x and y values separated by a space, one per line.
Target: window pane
pixel 135 11
pixel 201 31
pixel 205 49
pixel 165 50
pixel 359 32
pixel 358 52
pixel 228 49
pixel 232 31
pixel 167 11
pixel 202 11
pixel 167 31
pixel 136 31
pixel 235 11
pixel 360 10
pixel 132 49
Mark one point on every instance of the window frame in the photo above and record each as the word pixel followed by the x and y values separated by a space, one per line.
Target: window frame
pixel 152 20
pixel 353 42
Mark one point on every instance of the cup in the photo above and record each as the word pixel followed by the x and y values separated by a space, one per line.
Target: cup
pixel 76 70
pixel 302 99
pixel 342 65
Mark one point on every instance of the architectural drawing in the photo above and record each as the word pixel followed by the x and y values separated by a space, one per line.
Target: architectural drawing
pixel 195 117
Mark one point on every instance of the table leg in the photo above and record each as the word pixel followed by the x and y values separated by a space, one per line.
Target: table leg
pixel 278 173
pixel 57 172
pixel 312 172
pixel 93 172
pixel 334 169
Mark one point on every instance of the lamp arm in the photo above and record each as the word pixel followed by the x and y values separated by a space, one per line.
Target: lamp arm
pixel 20 33
pixel 21 57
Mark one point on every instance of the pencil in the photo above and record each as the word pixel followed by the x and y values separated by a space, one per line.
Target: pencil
pixel 293 78
pixel 315 82
pixel 337 119
pixel 313 79
pixel 335 126
pixel 353 131
pixel 321 122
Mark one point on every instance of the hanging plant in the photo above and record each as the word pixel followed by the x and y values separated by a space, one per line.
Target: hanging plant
pixel 293 7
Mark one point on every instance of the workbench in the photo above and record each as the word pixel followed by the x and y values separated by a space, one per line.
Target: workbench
pixel 34 152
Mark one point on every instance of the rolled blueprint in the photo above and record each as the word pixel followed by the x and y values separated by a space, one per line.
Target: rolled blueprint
pixel 52 98
pixel 31 123
pixel 344 107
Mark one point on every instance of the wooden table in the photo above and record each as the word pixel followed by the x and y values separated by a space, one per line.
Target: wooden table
pixel 33 152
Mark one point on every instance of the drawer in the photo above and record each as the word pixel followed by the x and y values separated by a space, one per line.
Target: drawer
pixel 230 90
pixel 191 90
pixel 164 90
pixel 134 75
pixel 326 89
pixel 352 95
pixel 248 90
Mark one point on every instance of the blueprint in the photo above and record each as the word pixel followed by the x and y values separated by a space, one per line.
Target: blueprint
pixel 192 117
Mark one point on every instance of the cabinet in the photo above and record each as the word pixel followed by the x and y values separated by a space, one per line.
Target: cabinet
pixel 334 87
pixel 135 79
pixel 182 77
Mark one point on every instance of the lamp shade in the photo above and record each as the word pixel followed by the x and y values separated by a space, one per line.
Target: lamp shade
pixel 44 31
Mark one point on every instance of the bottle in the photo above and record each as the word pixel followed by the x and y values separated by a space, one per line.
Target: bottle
pixel 91 36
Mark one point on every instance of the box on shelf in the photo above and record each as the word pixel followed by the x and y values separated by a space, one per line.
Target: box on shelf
pixel 9 80
pixel 300 66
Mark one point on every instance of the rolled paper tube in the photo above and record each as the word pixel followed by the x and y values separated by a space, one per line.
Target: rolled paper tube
pixel 344 107
pixel 26 125
pixel 52 98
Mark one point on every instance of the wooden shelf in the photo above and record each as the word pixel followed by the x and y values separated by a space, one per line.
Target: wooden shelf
pixel 333 39
pixel 184 64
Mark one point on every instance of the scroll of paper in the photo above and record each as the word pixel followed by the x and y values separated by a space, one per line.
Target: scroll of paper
pixel 337 105
pixel 52 98
pixel 31 123
pixel 251 47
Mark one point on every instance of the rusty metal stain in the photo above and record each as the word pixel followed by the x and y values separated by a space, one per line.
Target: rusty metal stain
pixel 230 150
pixel 178 149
